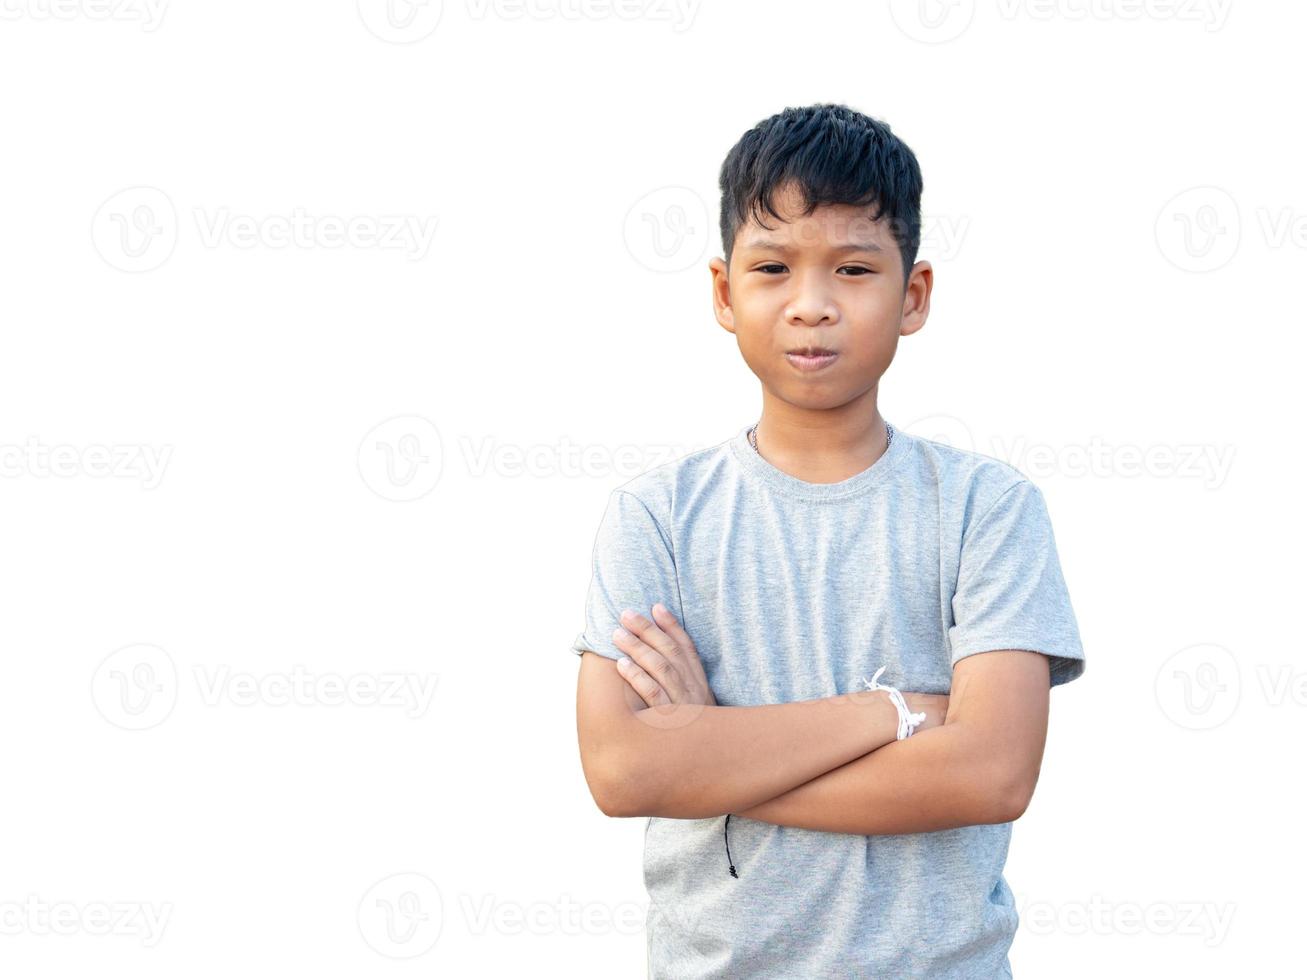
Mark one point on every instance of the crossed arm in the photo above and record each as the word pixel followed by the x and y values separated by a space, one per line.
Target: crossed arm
pixel 980 766
pixel 831 764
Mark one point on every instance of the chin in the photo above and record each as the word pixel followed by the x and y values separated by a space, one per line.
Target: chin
pixel 812 397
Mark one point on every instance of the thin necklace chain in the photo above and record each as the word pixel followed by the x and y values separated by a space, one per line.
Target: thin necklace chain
pixel 753 439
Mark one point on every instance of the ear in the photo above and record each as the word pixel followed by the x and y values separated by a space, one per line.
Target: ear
pixel 721 295
pixel 916 299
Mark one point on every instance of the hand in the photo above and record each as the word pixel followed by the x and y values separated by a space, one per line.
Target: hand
pixel 665 666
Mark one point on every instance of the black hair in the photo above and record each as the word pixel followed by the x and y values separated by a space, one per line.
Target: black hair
pixel 835 155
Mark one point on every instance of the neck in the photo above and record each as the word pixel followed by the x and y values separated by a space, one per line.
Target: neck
pixel 821 445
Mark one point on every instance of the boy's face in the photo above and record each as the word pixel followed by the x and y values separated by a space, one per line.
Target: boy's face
pixel 831 280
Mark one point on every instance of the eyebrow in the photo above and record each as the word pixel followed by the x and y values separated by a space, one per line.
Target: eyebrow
pixel 763 243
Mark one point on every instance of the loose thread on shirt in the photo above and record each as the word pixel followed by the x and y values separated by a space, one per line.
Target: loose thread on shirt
pixel 726 830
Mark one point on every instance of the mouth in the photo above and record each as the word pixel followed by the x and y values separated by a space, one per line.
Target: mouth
pixel 811 358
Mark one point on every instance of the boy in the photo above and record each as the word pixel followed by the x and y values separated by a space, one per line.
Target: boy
pixel 807 819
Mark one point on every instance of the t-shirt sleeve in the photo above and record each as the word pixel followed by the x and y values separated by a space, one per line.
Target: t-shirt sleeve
pixel 632 568
pixel 1010 593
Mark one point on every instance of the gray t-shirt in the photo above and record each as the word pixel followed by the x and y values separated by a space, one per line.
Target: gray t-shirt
pixel 794 590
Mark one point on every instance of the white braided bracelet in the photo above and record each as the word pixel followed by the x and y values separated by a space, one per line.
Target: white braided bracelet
pixel 908 721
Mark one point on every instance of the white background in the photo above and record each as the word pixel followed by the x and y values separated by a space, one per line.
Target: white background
pixel 201 533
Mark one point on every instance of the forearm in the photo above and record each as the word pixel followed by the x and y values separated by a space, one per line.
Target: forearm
pixel 935 780
pixel 692 761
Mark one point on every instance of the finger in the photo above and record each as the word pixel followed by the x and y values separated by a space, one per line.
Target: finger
pixel 672 627
pixel 664 667
pixel 646 657
pixel 661 670
pixel 645 686
pixel 669 624
pixel 651 633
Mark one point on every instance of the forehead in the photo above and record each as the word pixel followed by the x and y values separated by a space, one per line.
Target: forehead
pixel 830 225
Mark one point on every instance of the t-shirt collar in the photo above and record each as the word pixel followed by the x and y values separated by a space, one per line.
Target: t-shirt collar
pixel 873 477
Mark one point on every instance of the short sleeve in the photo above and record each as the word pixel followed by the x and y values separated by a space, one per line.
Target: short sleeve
pixel 1010 593
pixel 632 568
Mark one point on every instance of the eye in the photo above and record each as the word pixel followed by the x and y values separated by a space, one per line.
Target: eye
pixel 858 269
pixel 770 265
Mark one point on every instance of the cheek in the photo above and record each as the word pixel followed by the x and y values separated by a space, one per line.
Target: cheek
pixel 755 322
pixel 757 345
pixel 874 352
pixel 756 308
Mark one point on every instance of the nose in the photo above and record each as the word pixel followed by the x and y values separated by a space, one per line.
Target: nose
pixel 811 304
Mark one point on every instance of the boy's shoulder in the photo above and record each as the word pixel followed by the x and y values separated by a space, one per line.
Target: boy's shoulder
pixel 957 468
pixel 968 482
pixel 661 485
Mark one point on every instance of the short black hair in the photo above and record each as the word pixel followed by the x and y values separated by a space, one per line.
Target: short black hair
pixel 835 155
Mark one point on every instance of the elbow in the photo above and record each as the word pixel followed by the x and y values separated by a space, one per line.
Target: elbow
pixel 606 792
pixel 608 805
pixel 622 799
pixel 1012 795
pixel 616 789
pixel 1011 807
pixel 613 801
